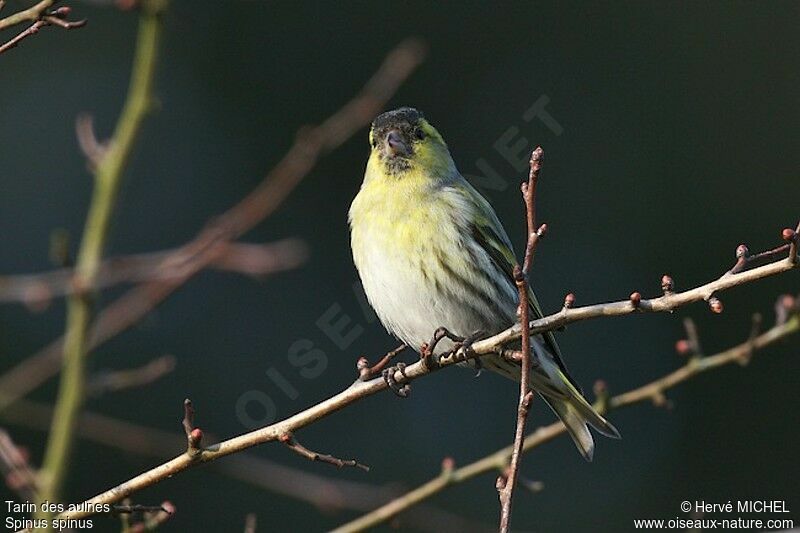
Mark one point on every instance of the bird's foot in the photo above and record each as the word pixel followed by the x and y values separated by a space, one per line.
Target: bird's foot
pixel 400 389
pixel 462 350
pixel 429 348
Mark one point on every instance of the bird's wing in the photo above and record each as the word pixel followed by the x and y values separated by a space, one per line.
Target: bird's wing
pixel 489 233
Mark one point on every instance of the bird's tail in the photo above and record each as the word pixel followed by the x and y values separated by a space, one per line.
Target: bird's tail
pixel 577 415
pixel 564 399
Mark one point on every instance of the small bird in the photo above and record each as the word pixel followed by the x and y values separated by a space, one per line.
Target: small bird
pixel 432 253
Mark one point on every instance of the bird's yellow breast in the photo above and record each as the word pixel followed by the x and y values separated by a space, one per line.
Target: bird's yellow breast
pixel 395 216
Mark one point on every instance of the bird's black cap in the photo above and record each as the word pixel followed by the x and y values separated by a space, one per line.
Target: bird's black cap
pixel 407 115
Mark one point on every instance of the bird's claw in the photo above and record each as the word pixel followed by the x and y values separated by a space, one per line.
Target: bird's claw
pixel 462 350
pixel 428 349
pixel 400 389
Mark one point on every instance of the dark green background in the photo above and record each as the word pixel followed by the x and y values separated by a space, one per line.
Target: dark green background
pixel 680 141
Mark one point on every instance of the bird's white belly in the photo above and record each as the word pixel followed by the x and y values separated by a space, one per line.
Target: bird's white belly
pixel 403 290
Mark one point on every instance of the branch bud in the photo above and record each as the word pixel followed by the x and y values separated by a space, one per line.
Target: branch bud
pixel 636 299
pixel 667 284
pixel 788 302
pixel 715 304
pixel 742 251
pixel 788 235
pixel 683 347
pixel 195 437
pixel 569 301
pixel 448 464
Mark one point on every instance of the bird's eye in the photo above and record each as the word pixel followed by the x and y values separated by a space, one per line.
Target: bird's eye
pixel 419 134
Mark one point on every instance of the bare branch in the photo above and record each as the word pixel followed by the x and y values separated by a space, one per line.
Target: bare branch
pixel 324 493
pixel 250 523
pixel 291 442
pixel 258 260
pixel 194 435
pixel 18 474
pixel 40 17
pixel 366 372
pixel 529 196
pixel 360 389
pixel 112 381
pixel 506 482
pixel 542 435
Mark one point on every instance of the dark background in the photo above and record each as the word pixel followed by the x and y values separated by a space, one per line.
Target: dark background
pixel 679 142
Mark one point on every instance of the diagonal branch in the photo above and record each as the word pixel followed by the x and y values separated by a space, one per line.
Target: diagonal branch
pixel 16 471
pixel 291 442
pixel 324 493
pixel 361 389
pixel 40 17
pixel 498 460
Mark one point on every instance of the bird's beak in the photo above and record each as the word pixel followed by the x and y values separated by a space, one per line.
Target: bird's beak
pixel 394 145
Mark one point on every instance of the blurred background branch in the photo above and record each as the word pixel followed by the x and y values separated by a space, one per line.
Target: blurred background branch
pixel 107 181
pixel 211 242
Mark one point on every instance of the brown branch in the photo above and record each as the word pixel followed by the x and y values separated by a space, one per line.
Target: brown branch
pixel 92 149
pixel 324 493
pixel 366 372
pixel 194 435
pixel 116 380
pixel 291 442
pixel 154 515
pixel 37 290
pixel 361 389
pixel 31 14
pixel 40 17
pixel 529 196
pixel 506 482
pixel 18 474
pixel 250 523
pixel 499 459
pixel 261 202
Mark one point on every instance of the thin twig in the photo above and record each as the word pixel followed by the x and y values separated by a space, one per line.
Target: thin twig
pixel 93 149
pixel 506 483
pixel 31 14
pixel 18 474
pixel 194 435
pixel 258 260
pixel 154 516
pixel 261 202
pixel 250 523
pixel 40 17
pixel 112 381
pixel 499 459
pixel 324 493
pixel 365 371
pixel 108 179
pixel 33 29
pixel 361 389
pixel 291 442
pixel 529 196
